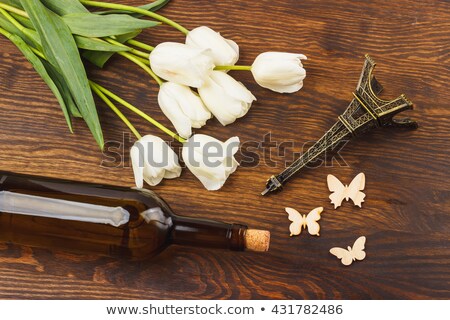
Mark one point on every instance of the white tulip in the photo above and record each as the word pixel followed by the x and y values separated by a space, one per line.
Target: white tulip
pixel 224 52
pixel 183 107
pixel 279 71
pixel 182 64
pixel 211 160
pixel 152 160
pixel 226 98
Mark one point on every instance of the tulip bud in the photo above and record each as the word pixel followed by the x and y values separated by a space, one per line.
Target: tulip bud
pixel 226 98
pixel 224 52
pixel 211 160
pixel 152 160
pixel 279 71
pixel 183 108
pixel 182 64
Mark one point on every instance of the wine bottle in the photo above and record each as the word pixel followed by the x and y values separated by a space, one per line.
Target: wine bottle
pixel 106 220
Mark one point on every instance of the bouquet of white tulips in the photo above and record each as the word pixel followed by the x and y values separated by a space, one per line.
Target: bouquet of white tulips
pixel 55 35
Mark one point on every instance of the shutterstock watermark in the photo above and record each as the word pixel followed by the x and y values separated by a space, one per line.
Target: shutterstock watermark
pixel 251 153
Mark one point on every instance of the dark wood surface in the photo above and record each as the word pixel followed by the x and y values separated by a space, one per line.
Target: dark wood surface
pixel 406 216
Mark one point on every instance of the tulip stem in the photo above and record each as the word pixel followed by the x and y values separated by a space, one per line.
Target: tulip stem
pixel 5 33
pixel 16 23
pixel 140 113
pixel 14 10
pixel 144 61
pixel 142 65
pixel 132 50
pixel 243 68
pixel 39 53
pixel 95 88
pixel 140 45
pixel 136 10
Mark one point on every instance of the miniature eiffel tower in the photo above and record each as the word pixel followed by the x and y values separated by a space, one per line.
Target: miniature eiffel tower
pixel 365 112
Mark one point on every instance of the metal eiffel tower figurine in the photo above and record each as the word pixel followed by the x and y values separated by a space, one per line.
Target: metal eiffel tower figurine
pixel 365 112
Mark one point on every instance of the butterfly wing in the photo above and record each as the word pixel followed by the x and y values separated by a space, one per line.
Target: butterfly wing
pixel 296 226
pixel 344 255
pixel 311 221
pixel 337 189
pixel 358 248
pixel 355 187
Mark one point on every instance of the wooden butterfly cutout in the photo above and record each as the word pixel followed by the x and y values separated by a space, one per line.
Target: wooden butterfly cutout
pixel 304 221
pixel 349 255
pixel 341 192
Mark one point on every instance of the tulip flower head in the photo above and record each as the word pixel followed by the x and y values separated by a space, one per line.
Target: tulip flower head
pixel 224 52
pixel 279 71
pixel 226 98
pixel 183 107
pixel 211 160
pixel 153 160
pixel 182 64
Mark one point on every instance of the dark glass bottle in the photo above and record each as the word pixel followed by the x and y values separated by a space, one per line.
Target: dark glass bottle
pixel 106 220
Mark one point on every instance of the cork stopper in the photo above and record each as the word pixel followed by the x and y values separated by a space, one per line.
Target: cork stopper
pixel 257 240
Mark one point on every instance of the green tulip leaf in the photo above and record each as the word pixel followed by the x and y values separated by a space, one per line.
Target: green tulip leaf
pixel 61 51
pixel 42 71
pixel 95 44
pixel 99 59
pixel 92 25
pixel 63 89
pixel 63 7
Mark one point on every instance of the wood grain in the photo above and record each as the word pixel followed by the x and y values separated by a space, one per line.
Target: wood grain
pixel 405 218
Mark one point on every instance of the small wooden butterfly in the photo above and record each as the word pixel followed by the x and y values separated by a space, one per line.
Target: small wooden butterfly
pixel 349 255
pixel 341 192
pixel 304 221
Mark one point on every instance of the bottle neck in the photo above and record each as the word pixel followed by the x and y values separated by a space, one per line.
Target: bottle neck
pixel 207 233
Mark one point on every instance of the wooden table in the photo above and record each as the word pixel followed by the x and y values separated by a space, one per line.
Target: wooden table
pixel 405 217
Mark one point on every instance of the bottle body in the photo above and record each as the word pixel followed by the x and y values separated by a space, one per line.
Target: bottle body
pixel 101 220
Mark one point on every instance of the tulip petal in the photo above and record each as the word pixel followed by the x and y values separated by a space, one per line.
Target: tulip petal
pixel 233 145
pixel 226 98
pixel 155 178
pixel 204 144
pixel 220 104
pixel 137 162
pixel 232 87
pixel 172 173
pixel 211 167
pixel 192 107
pixel 211 178
pixel 153 160
pixel 287 88
pixel 234 46
pixel 171 108
pixel 180 63
pixel 183 108
pixel 223 51
pixel 279 71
